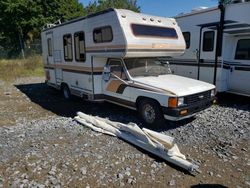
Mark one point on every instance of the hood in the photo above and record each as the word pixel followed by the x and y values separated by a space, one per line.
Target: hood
pixel 178 85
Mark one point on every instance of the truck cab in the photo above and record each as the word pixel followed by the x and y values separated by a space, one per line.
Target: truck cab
pixel 148 85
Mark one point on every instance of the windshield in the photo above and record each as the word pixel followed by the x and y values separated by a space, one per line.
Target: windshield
pixel 147 66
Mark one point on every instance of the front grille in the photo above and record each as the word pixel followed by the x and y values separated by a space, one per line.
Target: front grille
pixel 198 97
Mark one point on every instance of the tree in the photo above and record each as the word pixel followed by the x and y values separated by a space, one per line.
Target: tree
pixel 22 20
pixel 104 4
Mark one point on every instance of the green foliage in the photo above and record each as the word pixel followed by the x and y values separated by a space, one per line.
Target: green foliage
pixel 22 20
pixel 104 4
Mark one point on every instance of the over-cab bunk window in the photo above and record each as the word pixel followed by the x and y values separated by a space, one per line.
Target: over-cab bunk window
pixel 67 47
pixel 186 36
pixel 79 41
pixel 153 31
pixel 103 34
pixel 208 41
pixel 49 46
pixel 243 49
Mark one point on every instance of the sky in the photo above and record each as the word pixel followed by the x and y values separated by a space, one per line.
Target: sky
pixel 168 8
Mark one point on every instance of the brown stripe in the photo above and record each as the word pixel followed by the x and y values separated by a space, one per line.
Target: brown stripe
pixel 74 68
pixel 114 85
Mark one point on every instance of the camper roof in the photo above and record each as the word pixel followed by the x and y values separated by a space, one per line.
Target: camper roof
pixel 79 18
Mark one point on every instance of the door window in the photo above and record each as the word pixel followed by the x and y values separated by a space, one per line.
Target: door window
pixel 243 49
pixel 208 41
pixel 49 46
pixel 116 68
pixel 186 36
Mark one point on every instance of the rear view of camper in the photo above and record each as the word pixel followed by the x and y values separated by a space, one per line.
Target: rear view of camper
pixel 119 56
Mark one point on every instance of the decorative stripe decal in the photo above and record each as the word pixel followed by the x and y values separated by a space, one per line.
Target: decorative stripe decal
pixel 226 64
pixel 81 72
pixel 113 85
pixel 76 69
pixel 118 86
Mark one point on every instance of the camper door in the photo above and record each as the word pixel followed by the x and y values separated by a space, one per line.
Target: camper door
pixel 114 82
pixel 207 55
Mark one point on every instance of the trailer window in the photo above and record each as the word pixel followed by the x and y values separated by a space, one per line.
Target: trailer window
pixel 153 31
pixel 49 46
pixel 243 49
pixel 208 41
pixel 186 36
pixel 79 41
pixel 103 34
pixel 67 47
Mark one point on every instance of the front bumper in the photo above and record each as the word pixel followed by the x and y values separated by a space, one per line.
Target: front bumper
pixel 176 114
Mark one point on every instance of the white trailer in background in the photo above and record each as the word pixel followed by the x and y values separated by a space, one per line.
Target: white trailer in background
pixel 117 56
pixel 218 47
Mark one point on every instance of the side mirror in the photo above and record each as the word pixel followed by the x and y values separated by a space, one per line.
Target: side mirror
pixel 106 73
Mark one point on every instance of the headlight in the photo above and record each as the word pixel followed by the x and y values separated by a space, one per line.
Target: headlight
pixel 213 93
pixel 180 101
pixel 175 102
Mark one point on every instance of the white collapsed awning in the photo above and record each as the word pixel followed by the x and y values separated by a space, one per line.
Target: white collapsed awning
pixel 159 144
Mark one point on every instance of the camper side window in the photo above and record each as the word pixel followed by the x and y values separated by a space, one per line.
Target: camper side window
pixel 208 41
pixel 186 36
pixel 243 49
pixel 67 47
pixel 103 34
pixel 79 46
pixel 49 46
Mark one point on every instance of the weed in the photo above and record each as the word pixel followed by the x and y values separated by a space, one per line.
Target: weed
pixel 15 68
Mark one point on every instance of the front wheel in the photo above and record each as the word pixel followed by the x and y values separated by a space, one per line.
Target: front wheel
pixel 151 113
pixel 66 92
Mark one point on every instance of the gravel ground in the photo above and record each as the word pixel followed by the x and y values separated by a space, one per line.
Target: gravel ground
pixel 42 146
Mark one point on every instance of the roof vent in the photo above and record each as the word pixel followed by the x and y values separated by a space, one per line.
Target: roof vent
pixel 151 19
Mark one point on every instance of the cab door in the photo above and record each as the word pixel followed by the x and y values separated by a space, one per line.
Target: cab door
pixel 114 82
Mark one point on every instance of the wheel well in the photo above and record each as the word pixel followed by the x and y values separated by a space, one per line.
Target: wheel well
pixel 63 84
pixel 141 98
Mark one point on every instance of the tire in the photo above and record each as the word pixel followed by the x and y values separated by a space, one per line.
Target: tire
pixel 151 113
pixel 66 92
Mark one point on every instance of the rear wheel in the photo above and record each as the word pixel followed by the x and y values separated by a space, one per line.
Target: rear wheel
pixel 151 113
pixel 66 92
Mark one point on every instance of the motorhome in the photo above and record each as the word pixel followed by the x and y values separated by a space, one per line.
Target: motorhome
pixel 118 56
pixel 217 47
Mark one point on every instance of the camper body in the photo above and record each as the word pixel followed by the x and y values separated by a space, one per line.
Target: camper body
pixel 218 47
pixel 118 56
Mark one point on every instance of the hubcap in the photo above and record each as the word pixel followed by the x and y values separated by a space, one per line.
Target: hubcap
pixel 149 113
pixel 65 92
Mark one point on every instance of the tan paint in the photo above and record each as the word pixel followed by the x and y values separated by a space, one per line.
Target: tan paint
pixel 113 85
pixel 72 67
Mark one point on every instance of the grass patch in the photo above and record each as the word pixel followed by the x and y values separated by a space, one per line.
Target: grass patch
pixel 16 68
